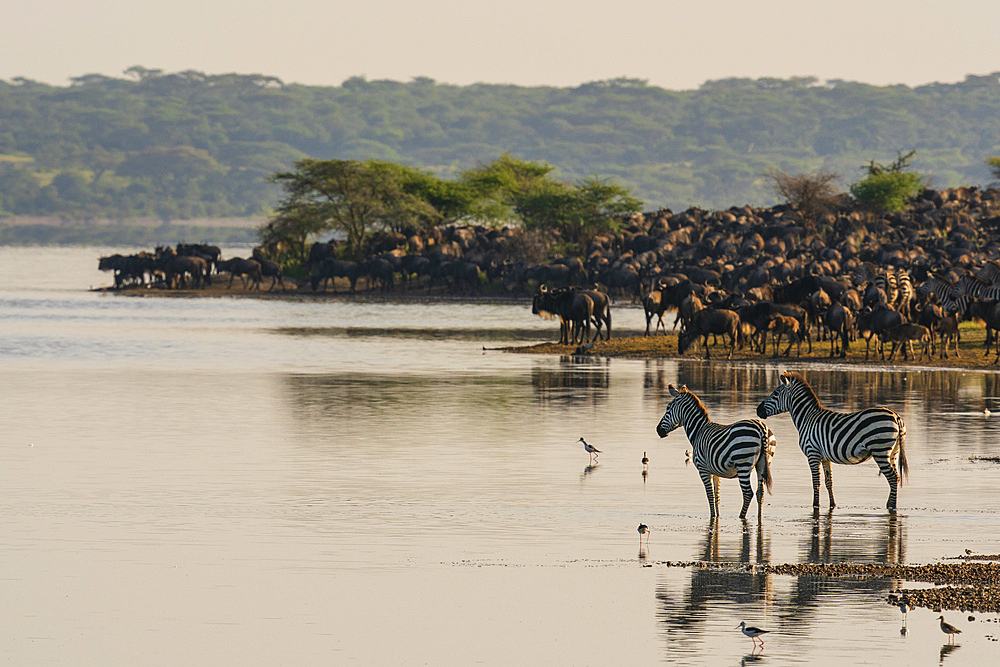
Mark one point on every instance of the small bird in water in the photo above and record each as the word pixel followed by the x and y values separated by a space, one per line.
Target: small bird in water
pixel 643 530
pixel 752 632
pixel 645 460
pixel 986 412
pixel 903 607
pixel 590 449
pixel 948 629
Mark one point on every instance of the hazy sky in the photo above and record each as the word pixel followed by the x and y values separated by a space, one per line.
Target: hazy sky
pixel 676 45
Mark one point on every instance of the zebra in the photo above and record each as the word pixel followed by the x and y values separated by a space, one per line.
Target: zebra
pixel 951 297
pixel 722 450
pixel 829 437
pixel 905 294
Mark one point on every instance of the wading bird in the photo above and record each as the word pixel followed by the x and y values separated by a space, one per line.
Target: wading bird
pixel 752 632
pixel 948 629
pixel 590 449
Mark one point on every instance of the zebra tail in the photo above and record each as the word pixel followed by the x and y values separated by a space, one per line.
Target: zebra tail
pixel 904 469
pixel 766 453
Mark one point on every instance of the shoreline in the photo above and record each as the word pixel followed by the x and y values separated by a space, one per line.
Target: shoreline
pixel 633 345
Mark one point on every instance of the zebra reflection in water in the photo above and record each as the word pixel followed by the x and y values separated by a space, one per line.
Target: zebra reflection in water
pixel 829 437
pixel 722 450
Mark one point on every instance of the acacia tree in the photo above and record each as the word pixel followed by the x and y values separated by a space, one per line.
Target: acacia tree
pixel 348 196
pixel 812 194
pixel 522 191
pixel 888 187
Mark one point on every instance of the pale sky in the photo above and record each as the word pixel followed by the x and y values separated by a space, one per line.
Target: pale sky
pixel 675 45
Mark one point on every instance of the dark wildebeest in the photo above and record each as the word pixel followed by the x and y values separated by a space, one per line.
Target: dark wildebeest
pixel 874 321
pixel 574 309
pixel 379 270
pixel 246 269
pixel 839 320
pixel 177 268
pixel 330 269
pixel 652 306
pixel 602 311
pixel 758 315
pixel 269 269
pixel 784 325
pixel 710 321
pixel 905 334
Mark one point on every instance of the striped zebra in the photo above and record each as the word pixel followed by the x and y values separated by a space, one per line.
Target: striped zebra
pixel 905 294
pixel 829 437
pixel 721 450
pixel 951 297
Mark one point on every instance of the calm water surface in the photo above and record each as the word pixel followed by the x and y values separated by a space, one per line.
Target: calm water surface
pixel 237 481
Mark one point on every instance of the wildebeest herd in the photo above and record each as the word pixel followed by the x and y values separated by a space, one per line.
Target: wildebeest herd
pixel 189 266
pixel 748 276
pixel 744 276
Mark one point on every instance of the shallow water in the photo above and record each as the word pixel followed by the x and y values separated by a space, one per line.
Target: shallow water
pixel 237 481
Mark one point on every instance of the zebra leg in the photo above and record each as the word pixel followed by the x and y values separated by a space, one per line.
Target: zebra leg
pixel 747 491
pixel 828 473
pixel 886 467
pixel 713 498
pixel 715 484
pixel 814 469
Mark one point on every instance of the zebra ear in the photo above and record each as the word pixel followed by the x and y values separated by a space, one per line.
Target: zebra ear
pixel 673 392
pixel 784 379
pixel 684 387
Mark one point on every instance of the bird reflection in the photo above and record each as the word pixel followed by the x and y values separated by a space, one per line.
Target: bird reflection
pixel 645 474
pixel 589 469
pixel 946 650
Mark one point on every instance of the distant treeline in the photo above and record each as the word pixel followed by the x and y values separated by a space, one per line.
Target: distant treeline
pixel 190 145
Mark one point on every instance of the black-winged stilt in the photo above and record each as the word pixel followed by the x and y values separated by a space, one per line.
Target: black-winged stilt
pixel 752 632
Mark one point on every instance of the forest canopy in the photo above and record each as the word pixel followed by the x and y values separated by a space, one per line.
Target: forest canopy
pixel 187 145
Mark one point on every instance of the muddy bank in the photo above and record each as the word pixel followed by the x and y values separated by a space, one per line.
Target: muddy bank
pixel 637 346
pixel 965 586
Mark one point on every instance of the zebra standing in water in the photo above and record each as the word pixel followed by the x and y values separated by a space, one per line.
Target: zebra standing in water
pixel 721 450
pixel 829 437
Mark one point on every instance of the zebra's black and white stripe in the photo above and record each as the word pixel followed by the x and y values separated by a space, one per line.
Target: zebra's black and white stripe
pixel 829 437
pixel 721 450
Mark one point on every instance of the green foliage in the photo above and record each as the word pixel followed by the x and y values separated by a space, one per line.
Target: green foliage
pixel 994 164
pixel 888 187
pixel 348 196
pixel 131 137
pixel 357 198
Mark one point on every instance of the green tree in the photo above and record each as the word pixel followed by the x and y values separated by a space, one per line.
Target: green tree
pixel 352 197
pixel 994 164
pixel 888 187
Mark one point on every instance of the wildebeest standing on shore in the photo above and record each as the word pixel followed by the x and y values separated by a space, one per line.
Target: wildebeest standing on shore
pixel 330 269
pixel 707 322
pixel 574 309
pixel 247 269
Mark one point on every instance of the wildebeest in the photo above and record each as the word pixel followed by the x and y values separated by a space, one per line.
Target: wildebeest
pixel 330 269
pixel 905 334
pixel 247 269
pixel 784 325
pixel 269 269
pixel 652 306
pixel 707 322
pixel 574 309
pixel 871 322
pixel 840 321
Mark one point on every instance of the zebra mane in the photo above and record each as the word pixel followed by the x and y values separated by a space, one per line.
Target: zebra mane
pixel 797 377
pixel 697 401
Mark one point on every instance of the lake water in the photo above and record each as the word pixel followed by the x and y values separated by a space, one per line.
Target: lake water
pixel 260 482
